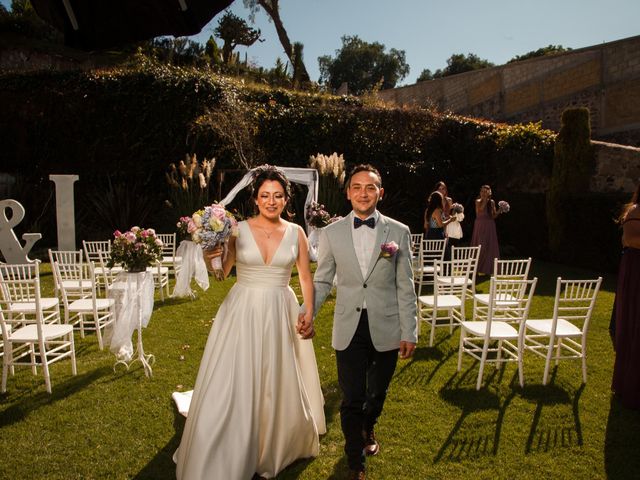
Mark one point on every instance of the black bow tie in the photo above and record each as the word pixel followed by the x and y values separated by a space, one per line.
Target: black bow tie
pixel 369 222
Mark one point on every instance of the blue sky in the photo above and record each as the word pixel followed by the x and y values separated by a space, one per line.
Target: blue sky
pixel 431 31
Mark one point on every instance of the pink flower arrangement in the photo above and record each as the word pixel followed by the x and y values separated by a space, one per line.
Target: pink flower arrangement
pixel 388 249
pixel 135 249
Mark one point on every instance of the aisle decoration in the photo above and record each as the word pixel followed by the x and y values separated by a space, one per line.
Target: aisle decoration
pixel 135 249
pixel 211 227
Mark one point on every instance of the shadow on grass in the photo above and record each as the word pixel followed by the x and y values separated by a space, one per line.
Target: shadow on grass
pixel 557 434
pixel 406 375
pixel 162 466
pixel 25 403
pixel 622 443
pixel 332 400
pixel 340 470
pixel 458 445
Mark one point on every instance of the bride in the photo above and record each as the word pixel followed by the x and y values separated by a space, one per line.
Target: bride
pixel 257 404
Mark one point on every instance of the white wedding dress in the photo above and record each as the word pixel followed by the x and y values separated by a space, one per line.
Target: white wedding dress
pixel 257 404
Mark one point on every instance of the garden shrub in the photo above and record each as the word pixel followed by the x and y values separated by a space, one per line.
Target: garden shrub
pixel 573 166
pixel 131 122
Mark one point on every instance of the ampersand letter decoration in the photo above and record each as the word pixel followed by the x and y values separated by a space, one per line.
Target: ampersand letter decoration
pixel 10 246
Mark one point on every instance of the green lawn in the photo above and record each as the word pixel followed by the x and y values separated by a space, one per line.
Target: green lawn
pixel 116 425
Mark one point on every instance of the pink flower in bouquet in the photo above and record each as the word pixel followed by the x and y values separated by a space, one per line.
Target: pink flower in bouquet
pixel 503 207
pixel 388 249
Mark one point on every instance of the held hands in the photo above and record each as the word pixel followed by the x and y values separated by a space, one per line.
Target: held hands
pixel 304 327
pixel 406 349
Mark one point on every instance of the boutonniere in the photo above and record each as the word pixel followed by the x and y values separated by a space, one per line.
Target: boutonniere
pixel 388 249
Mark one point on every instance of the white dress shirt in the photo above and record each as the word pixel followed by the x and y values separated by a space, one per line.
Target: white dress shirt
pixel 364 239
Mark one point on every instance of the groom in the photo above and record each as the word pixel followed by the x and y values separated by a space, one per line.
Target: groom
pixel 375 312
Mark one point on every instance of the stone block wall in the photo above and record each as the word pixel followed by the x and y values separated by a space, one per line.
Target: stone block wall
pixel 604 78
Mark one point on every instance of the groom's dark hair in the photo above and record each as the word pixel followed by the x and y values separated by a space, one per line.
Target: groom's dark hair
pixel 363 167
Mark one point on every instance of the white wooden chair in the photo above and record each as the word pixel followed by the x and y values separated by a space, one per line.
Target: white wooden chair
pixel 169 258
pixel 466 253
pixel 97 252
pixel 502 340
pixel 89 312
pixel 503 270
pixel 430 251
pixel 160 278
pixel 564 335
pixel 32 342
pixel 20 297
pixel 416 245
pixel 447 304
pixel 74 275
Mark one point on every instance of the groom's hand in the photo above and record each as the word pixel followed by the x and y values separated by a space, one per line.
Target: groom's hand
pixel 304 326
pixel 406 349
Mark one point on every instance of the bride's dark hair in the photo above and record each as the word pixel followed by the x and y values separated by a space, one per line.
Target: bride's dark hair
pixel 269 172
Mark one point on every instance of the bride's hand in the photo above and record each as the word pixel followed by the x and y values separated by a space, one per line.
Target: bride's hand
pixel 304 326
pixel 211 254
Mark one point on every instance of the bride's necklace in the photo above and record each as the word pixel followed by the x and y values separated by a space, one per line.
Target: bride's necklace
pixel 267 232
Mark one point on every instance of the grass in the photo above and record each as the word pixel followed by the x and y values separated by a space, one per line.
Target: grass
pixel 103 424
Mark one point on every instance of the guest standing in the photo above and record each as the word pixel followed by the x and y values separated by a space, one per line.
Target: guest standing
pixel 434 220
pixel 484 231
pixel 447 200
pixel 626 374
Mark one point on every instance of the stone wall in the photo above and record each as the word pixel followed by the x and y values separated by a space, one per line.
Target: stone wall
pixel 605 78
pixel 617 168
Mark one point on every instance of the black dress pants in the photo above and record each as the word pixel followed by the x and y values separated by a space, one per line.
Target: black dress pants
pixel 364 375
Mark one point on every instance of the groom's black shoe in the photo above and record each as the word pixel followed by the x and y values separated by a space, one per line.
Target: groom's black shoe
pixel 357 475
pixel 371 445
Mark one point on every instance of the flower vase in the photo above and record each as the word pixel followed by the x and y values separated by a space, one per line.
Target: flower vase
pixel 137 268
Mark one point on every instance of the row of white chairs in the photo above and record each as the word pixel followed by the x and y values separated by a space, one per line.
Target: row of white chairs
pixel 34 331
pixel 500 329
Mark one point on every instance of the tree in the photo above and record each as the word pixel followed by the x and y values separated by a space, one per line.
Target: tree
pixel 460 63
pixel 363 65
pixel 234 31
pixel 541 52
pixel 24 20
pixel 272 8
pixel 426 74
pixel 212 51
pixel 174 51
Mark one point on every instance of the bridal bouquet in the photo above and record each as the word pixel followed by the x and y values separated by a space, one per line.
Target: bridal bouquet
pixel 457 211
pixel 210 227
pixel 503 207
pixel 135 249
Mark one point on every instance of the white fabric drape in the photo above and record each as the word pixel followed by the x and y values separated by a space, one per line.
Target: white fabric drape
pixel 133 295
pixel 304 176
pixel 192 266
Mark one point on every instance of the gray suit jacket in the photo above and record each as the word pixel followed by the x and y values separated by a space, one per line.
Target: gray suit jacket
pixel 387 287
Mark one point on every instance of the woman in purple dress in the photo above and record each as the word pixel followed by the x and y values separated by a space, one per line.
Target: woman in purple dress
pixel 626 341
pixel 484 231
